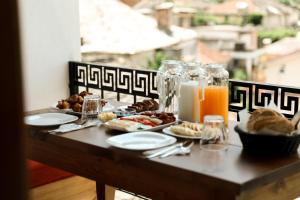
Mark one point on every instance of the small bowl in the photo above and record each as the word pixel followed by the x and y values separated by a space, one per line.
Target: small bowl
pixel 267 144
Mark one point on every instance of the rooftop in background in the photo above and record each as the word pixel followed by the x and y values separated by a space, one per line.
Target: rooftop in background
pixel 115 28
pixel 237 7
pixel 196 4
pixel 222 35
pixel 209 55
pixel 284 47
pixel 233 7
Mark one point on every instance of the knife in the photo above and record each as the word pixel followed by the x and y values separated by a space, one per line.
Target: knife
pixel 164 150
pixel 72 127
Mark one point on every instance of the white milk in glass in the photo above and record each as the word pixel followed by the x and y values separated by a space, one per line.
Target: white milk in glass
pixel 189 101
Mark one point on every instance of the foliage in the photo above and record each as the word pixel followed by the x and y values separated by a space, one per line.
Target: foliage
pixel 158 58
pixel 290 2
pixel 202 19
pixel 277 34
pixel 255 18
pixel 239 74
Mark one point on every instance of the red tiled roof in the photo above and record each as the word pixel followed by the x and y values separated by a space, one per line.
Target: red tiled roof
pixel 230 7
pixel 209 55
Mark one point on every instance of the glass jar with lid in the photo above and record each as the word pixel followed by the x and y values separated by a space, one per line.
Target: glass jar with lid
pixel 168 80
pixel 191 93
pixel 216 93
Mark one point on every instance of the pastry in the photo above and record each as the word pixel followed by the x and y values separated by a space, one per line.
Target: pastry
pixel 193 126
pixel 269 121
pixel 106 116
pixel 75 102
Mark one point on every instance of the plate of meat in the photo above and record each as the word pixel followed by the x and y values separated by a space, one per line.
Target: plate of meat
pixel 145 105
pixel 145 121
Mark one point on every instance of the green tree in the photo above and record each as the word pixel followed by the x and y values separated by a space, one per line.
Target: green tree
pixel 202 19
pixel 276 34
pixel 255 18
pixel 156 62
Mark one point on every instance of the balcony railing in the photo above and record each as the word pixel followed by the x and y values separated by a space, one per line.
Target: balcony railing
pixel 142 83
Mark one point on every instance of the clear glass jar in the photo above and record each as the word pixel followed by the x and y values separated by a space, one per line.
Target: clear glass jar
pixel 216 93
pixel 168 80
pixel 193 82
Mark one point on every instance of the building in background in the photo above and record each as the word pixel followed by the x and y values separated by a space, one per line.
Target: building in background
pixel 281 62
pixel 114 33
pixel 274 13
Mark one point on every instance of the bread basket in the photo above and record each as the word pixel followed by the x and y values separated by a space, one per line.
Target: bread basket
pixel 267 144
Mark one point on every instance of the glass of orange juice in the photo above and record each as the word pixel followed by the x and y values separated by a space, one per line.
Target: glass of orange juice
pixel 215 100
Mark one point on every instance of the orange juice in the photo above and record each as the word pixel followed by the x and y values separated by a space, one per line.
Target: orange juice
pixel 215 102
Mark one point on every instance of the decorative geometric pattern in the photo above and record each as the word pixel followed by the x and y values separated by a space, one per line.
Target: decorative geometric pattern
pixel 252 96
pixel 242 94
pixel 115 79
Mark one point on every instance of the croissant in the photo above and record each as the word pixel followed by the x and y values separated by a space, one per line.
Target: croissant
pixel 180 130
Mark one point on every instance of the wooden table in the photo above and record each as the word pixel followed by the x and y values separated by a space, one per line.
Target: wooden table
pixel 229 174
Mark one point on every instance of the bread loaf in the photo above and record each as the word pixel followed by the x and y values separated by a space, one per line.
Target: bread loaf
pixel 267 120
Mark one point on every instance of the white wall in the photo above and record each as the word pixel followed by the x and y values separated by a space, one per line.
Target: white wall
pixel 50 38
pixel 291 75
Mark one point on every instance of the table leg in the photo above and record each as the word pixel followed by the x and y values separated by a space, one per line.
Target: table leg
pixel 105 192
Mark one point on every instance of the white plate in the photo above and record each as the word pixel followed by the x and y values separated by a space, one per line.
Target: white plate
pixel 142 127
pixel 143 140
pixel 49 119
pixel 169 132
pixel 107 108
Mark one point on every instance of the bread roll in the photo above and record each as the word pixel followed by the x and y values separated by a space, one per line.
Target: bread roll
pixel 267 120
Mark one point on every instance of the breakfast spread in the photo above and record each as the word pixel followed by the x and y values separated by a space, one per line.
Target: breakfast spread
pixel 75 102
pixel 145 105
pixel 269 121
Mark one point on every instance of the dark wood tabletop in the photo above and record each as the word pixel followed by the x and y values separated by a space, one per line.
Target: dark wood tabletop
pixel 230 174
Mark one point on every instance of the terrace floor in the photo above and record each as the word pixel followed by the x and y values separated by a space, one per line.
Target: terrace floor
pixel 75 188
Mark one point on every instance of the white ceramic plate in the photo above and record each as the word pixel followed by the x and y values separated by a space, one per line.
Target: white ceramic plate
pixel 140 128
pixel 107 108
pixel 49 119
pixel 143 140
pixel 169 132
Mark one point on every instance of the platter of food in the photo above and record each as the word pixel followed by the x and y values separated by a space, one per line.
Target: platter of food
pixel 150 121
pixel 187 130
pixel 73 104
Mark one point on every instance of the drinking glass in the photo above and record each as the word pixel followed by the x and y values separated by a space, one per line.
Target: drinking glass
pixel 214 133
pixel 91 107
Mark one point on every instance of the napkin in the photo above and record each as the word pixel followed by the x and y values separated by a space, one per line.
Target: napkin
pixel 73 127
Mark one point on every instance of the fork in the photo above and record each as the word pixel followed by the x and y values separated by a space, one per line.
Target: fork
pixel 184 148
